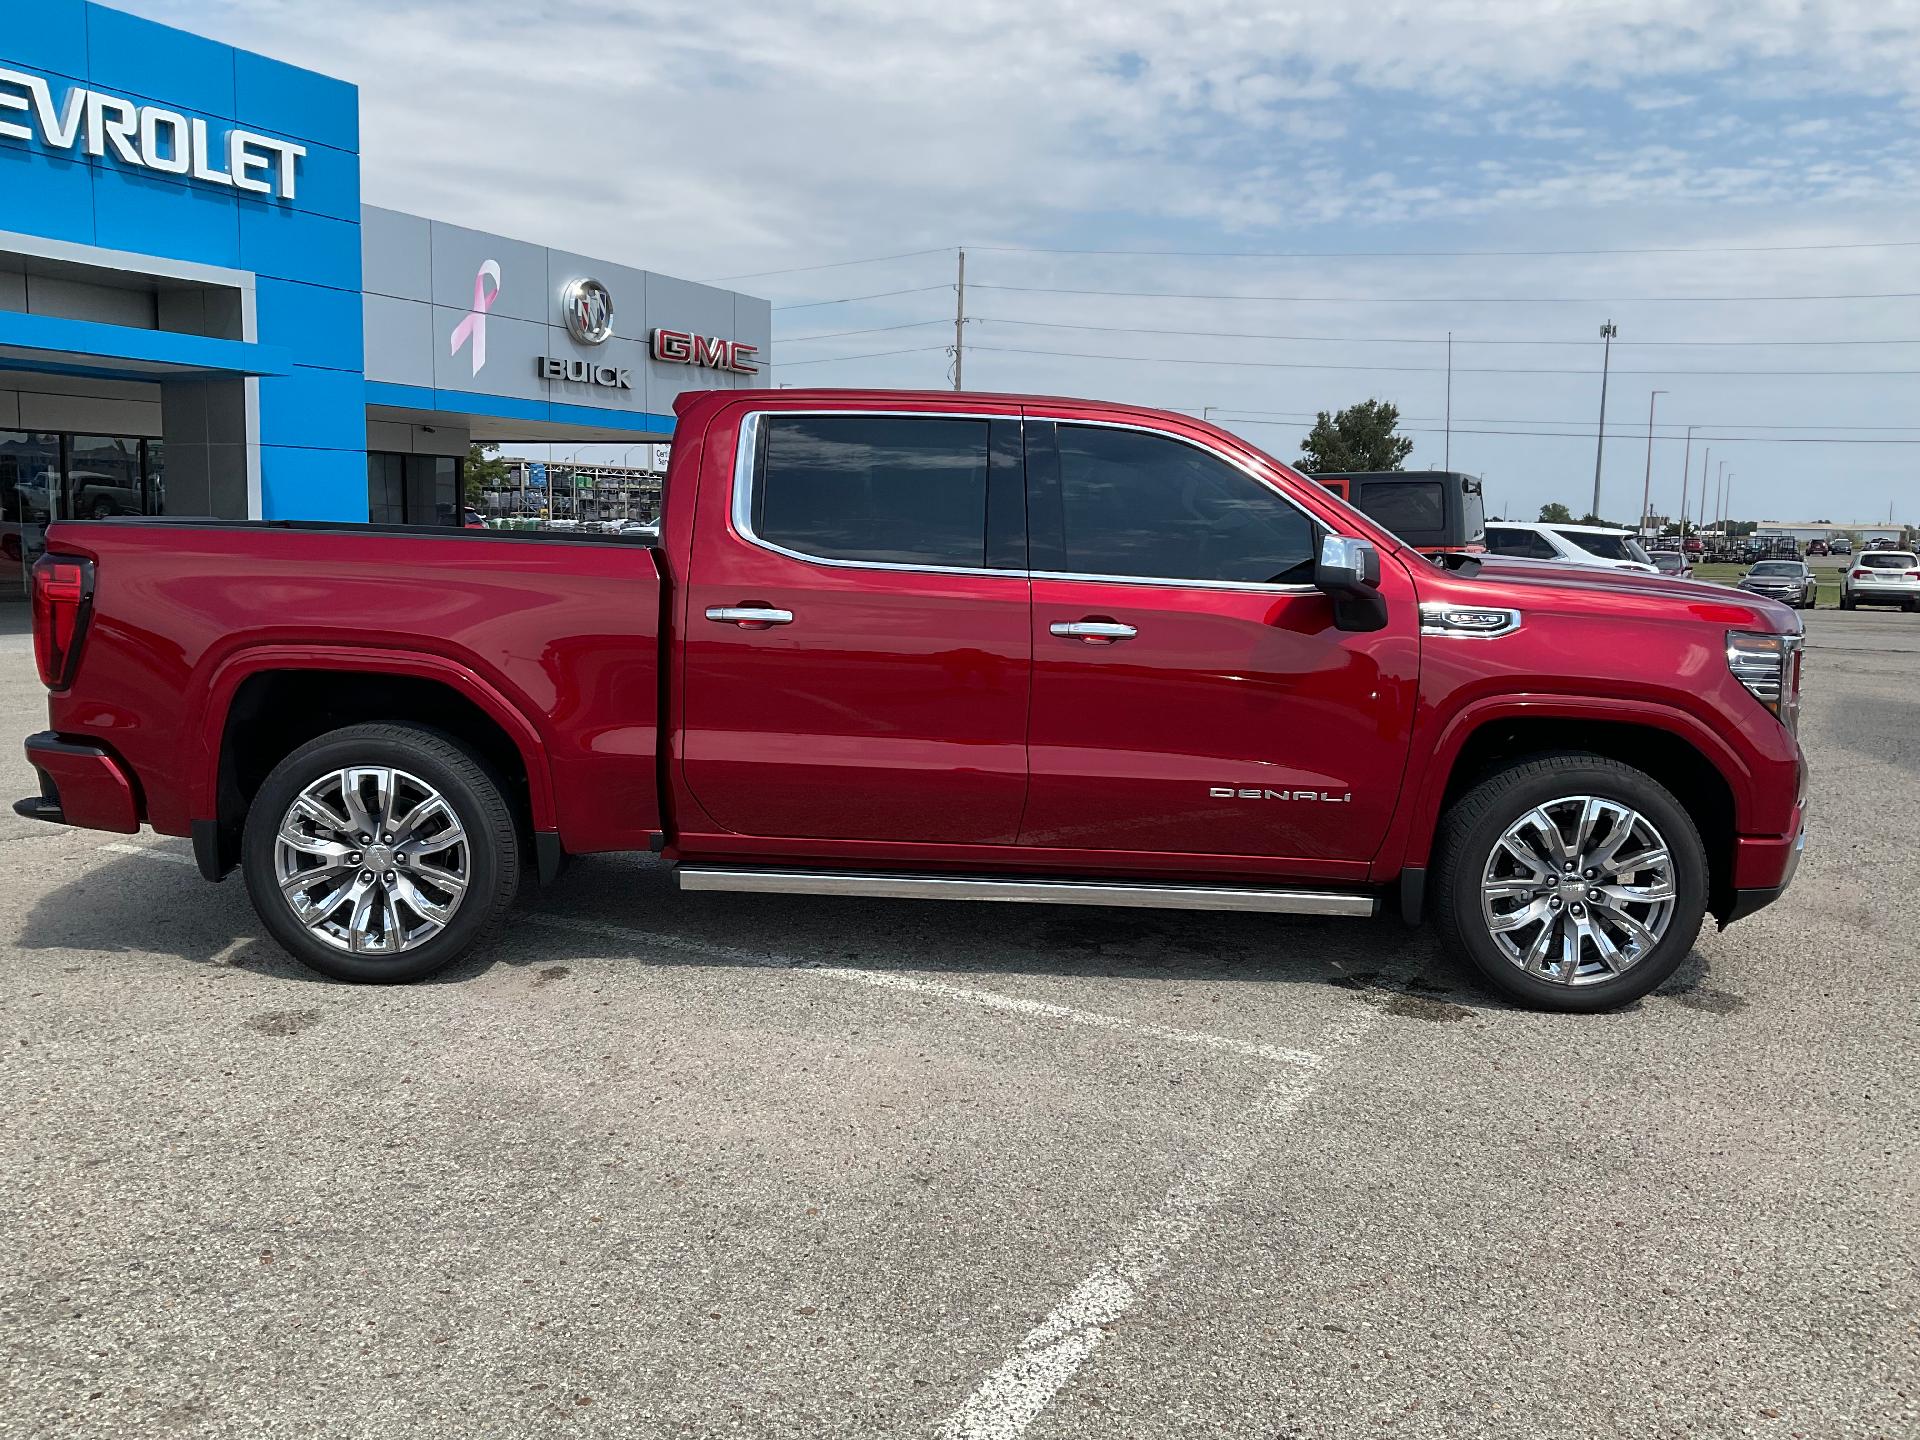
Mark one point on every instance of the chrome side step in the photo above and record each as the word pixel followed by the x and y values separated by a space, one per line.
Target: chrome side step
pixel 1044 892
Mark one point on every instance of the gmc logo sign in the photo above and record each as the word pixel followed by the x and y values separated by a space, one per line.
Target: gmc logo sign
pixel 679 347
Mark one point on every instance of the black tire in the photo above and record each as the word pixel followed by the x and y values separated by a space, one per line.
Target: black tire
pixel 1474 824
pixel 475 797
pixel 1846 601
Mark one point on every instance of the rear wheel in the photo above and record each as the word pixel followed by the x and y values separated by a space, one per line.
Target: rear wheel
pixel 1570 881
pixel 380 853
pixel 1846 600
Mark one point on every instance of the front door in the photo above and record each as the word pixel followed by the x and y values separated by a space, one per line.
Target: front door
pixel 1190 693
pixel 856 635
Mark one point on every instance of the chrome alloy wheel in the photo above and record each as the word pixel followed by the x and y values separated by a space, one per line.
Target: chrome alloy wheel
pixel 1578 890
pixel 372 860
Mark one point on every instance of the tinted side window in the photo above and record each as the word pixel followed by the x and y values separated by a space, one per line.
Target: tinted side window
pixel 1415 510
pixel 1149 506
pixel 1524 543
pixel 896 489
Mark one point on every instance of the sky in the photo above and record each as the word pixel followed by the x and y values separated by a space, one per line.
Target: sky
pixel 1313 197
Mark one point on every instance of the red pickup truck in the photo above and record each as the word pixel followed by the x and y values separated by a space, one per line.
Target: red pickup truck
pixel 933 645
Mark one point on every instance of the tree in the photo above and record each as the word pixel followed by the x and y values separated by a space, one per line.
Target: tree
pixel 1358 438
pixel 1555 514
pixel 484 468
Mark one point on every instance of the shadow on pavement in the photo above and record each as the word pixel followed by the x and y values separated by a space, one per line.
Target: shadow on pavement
pixel 131 905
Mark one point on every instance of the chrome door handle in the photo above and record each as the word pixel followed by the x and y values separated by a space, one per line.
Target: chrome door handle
pixel 1092 630
pixel 749 615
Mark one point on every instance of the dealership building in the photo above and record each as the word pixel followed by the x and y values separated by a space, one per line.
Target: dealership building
pixel 199 317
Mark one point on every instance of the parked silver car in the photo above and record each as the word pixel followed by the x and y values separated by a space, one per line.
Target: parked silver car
pixel 1788 581
pixel 1882 577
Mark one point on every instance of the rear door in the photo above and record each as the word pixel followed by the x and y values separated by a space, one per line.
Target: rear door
pixel 856 641
pixel 1191 695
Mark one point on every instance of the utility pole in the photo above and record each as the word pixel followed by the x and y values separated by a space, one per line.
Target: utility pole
pixel 1719 482
pixel 1703 490
pixel 1726 504
pixel 1646 490
pixel 1607 332
pixel 1705 460
pixel 1447 462
pixel 960 325
pixel 1686 469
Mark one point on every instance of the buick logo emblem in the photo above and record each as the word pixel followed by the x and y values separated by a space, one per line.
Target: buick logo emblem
pixel 588 309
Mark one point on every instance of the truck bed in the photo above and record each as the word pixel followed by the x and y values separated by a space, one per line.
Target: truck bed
pixel 554 636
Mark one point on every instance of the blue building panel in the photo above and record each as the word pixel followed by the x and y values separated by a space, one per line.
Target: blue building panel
pixel 136 57
pixel 295 245
pixel 50 197
pixel 153 215
pixel 329 322
pixel 46 35
pixel 283 99
pixel 298 484
pixel 315 410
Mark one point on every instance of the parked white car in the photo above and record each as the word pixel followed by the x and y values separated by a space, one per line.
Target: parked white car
pixel 1600 546
pixel 1882 577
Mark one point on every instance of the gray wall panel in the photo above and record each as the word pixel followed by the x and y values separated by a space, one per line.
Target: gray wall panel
pixel 459 253
pixel 400 340
pixel 396 254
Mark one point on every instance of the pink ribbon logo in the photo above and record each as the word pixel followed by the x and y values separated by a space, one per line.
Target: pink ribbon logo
pixel 474 327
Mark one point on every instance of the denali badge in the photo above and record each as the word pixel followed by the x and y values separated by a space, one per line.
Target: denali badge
pixel 1229 792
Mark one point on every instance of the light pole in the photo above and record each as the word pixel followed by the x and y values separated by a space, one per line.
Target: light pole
pixel 1686 468
pixel 1646 490
pixel 1726 502
pixel 1719 480
pixel 1607 332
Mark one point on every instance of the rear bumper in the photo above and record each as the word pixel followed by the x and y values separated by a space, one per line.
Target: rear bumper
pixel 80 784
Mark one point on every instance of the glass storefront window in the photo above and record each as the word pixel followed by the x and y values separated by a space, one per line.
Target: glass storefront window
pixel 413 489
pixel 48 477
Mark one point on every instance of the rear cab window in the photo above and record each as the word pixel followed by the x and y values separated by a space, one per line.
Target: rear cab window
pixel 1607 547
pixel 1524 544
pixel 876 489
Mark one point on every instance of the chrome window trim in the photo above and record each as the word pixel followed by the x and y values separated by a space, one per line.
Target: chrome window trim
pixel 741 507
pixel 1432 610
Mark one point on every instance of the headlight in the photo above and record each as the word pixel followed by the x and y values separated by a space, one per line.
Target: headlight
pixel 1769 666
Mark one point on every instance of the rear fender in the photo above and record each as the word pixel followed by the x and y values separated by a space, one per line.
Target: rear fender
pixel 236 669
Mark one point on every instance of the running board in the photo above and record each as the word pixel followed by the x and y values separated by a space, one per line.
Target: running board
pixel 1042 892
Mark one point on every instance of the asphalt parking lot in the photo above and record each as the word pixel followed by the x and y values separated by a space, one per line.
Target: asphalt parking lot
pixel 775 1166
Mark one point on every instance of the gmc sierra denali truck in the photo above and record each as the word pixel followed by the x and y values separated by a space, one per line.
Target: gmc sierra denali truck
pixel 941 646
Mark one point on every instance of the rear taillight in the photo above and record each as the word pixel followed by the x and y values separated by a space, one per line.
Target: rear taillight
pixel 1859 574
pixel 62 605
pixel 1769 666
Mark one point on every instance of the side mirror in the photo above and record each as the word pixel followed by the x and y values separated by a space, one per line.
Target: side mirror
pixel 1348 571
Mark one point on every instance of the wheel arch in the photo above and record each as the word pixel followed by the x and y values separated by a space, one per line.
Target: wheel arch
pixel 262 705
pixel 1670 746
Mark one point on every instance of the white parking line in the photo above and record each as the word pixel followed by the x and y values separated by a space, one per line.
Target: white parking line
pixel 1004 1404
pixel 884 980
pixel 1008 1400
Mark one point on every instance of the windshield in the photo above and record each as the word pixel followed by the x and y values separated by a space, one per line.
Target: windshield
pixel 1887 560
pixel 1607 547
pixel 1786 568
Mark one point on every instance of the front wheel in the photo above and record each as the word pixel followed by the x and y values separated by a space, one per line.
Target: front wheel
pixel 380 853
pixel 1571 881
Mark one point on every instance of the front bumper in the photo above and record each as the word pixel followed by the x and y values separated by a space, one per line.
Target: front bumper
pixel 80 784
pixel 1763 867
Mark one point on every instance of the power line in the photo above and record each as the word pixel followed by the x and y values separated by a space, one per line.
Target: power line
pixel 870 330
pixel 829 265
pixel 1673 429
pixel 1402 369
pixel 1397 339
pixel 853 299
pixel 1573 435
pixel 871 355
pixel 1449 254
pixel 1451 299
